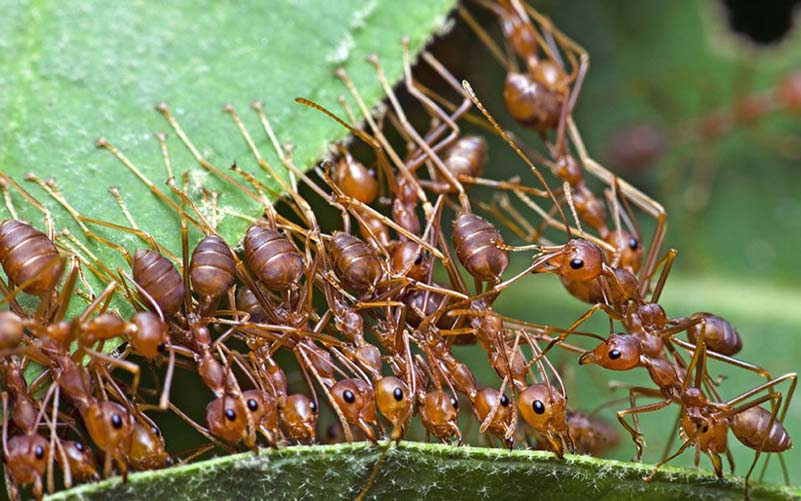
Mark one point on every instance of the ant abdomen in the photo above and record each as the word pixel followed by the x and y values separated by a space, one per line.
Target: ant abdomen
pixel 355 263
pixel 27 256
pixel 272 257
pixel 212 268
pixel 476 243
pixel 158 277
pixel 11 330
pixel 751 426
pixel 248 302
pixel 719 335
pixel 466 157
pixel 530 103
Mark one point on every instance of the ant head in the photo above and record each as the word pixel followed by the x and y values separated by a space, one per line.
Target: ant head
pixel 350 398
pixel 299 417
pixel 110 426
pixel 263 407
pixel 489 398
pixel 629 247
pixel 11 330
pixel 148 451
pixel 407 258
pixel 530 102
pixel 395 402
pixel 226 418
pixel 81 460
pixel 150 335
pixel 441 407
pixel 439 412
pixel 621 352
pixel 580 260
pixel 27 454
pixel 543 408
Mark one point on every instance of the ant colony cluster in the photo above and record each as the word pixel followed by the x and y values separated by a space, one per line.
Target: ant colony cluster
pixel 295 319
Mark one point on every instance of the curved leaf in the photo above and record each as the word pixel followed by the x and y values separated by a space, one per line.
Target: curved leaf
pixel 416 471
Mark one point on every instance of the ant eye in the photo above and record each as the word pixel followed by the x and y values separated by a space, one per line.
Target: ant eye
pixel 155 431
pixel 454 403
pixel 372 173
pixel 39 452
pixel 504 400
pixel 162 347
pixel 313 406
pixel 576 263
pixel 538 406
pixel 614 354
pixel 252 404
pixel 116 421
pixel 230 414
pixel 398 394
pixel 419 259
pixel 79 446
pixel 348 396
pixel 633 244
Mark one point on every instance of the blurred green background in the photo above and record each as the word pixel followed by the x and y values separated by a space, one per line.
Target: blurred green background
pixel 734 203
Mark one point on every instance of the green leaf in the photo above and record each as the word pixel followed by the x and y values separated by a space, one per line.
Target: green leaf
pixel 416 471
pixel 72 72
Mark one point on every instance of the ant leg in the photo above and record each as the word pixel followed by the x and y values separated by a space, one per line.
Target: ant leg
pixel 486 39
pixel 205 164
pixel 410 130
pixel 130 367
pixel 635 435
pixel 687 443
pixel 723 358
pixel 667 263
pixel 49 222
pixel 516 149
pixel 104 144
pixel 583 318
